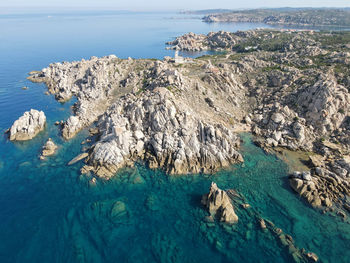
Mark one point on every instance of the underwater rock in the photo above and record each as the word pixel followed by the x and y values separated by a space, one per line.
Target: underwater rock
pixel 92 182
pixel 219 205
pixel 27 126
pixel 118 210
pixel 312 257
pixel 152 202
pixel 48 149
pixel 262 223
pixel 78 158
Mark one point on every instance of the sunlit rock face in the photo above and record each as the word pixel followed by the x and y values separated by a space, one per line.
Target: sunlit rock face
pixel 27 126
pixel 219 205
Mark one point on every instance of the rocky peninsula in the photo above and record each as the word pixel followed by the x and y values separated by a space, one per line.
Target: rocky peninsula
pixel 148 110
pixel 290 89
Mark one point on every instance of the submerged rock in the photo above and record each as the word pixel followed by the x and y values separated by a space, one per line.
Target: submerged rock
pixel 78 158
pixel 27 126
pixel 118 210
pixel 219 205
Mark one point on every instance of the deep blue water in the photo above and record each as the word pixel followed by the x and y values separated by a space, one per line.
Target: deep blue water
pixel 48 211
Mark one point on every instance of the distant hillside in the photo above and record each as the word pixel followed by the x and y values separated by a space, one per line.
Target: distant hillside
pixel 285 16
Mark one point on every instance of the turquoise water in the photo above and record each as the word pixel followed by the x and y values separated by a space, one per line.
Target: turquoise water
pixel 50 213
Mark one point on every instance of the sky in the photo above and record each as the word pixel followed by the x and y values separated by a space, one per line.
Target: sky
pixel 162 5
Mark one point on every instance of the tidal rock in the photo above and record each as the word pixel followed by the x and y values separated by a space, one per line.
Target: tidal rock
pixel 48 149
pixel 219 205
pixel 78 158
pixel 304 185
pixel 312 257
pixel 262 223
pixel 27 126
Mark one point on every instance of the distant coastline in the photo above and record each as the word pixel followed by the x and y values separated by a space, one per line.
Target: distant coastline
pixel 303 17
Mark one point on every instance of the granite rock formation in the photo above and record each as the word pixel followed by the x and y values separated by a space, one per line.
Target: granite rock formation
pixel 27 126
pixel 48 149
pixel 291 89
pixel 219 205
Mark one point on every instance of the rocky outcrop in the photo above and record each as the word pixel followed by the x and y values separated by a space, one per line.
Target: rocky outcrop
pixel 325 104
pixel 219 205
pixel 161 131
pixel 27 126
pixel 221 40
pixel 91 81
pixel 189 42
pixel 324 186
pixel 287 241
pixel 307 186
pixel 48 149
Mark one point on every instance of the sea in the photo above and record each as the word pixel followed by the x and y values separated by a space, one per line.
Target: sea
pixel 49 212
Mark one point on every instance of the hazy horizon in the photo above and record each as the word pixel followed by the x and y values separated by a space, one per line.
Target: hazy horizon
pixel 15 6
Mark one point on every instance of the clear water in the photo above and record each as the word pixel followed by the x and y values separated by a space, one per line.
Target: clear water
pixel 49 213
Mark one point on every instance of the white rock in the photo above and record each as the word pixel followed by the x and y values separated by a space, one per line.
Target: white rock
pixel 27 126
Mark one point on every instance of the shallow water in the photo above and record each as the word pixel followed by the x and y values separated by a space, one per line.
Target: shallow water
pixel 49 213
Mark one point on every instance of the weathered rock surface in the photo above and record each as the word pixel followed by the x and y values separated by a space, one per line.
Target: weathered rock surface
pixel 155 114
pixel 213 40
pixel 92 81
pixel 219 205
pixel 289 88
pixel 324 186
pixel 48 149
pixel 27 126
pixel 159 130
pixel 189 42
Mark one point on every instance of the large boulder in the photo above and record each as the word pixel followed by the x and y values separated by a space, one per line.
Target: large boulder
pixel 48 149
pixel 27 126
pixel 219 205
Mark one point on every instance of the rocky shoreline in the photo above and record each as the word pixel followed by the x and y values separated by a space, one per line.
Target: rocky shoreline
pixel 290 89
pixel 220 205
pixel 302 95
pixel 156 114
